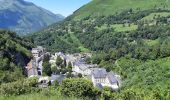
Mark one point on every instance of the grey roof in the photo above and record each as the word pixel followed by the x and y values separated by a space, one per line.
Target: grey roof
pixel 70 58
pixel 59 78
pixel 83 66
pixel 78 63
pixel 99 73
pixel 112 78
pixel 61 54
pixel 40 47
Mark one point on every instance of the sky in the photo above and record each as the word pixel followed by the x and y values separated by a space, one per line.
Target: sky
pixel 63 7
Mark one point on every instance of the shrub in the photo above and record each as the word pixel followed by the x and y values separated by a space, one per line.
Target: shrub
pixel 78 87
pixel 19 87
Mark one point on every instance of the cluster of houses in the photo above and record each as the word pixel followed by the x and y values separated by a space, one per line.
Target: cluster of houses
pixel 34 67
pixel 99 76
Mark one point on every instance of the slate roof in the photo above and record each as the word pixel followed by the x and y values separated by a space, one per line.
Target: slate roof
pixel 83 66
pixel 70 58
pixel 112 78
pixel 78 63
pixel 99 73
pixel 58 78
pixel 60 54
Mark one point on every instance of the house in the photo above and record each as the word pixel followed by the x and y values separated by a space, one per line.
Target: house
pixel 101 78
pixel 60 54
pixel 69 58
pixel 99 75
pixel 43 82
pixel 31 69
pixel 112 81
pixel 37 52
pixel 38 56
pixel 83 68
pixel 58 78
pixel 39 67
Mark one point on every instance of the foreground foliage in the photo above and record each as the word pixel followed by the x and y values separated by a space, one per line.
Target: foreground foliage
pixel 78 88
pixel 14 55
pixel 19 87
pixel 133 42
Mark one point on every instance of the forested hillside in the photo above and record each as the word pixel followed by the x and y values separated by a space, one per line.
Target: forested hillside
pixel 130 38
pixel 14 55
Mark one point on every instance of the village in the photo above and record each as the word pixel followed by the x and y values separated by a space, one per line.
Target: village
pixel 79 68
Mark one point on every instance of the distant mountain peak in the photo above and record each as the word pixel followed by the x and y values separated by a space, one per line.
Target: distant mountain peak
pixel 25 17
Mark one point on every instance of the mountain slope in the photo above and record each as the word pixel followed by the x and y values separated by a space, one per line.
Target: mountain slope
pixel 14 55
pixel 25 17
pixel 135 43
pixel 92 31
pixel 110 7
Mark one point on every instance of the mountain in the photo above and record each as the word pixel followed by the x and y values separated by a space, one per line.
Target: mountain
pixel 25 17
pixel 128 37
pixel 89 23
pixel 14 55
pixel 110 7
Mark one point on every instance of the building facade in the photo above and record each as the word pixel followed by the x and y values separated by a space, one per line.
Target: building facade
pixel 101 78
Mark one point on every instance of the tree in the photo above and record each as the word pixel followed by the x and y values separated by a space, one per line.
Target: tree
pixel 46 57
pixel 69 67
pixel 55 70
pixel 64 63
pixel 79 75
pixel 47 68
pixel 55 83
pixel 19 87
pixel 69 75
pixel 165 48
pixel 107 93
pixel 78 87
pixel 59 61
pixel 88 60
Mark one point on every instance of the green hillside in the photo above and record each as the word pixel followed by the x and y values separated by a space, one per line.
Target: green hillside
pixel 110 7
pixel 128 37
pixel 96 18
pixel 14 55
pixel 38 96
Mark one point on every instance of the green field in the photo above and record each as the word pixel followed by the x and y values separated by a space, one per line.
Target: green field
pixel 110 7
pixel 151 42
pixel 73 40
pixel 156 15
pixel 123 28
pixel 77 42
pixel 119 27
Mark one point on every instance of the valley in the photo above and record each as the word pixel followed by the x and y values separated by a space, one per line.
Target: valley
pixel 60 66
pixel 105 50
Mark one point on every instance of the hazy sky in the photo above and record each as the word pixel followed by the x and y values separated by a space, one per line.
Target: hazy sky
pixel 64 7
